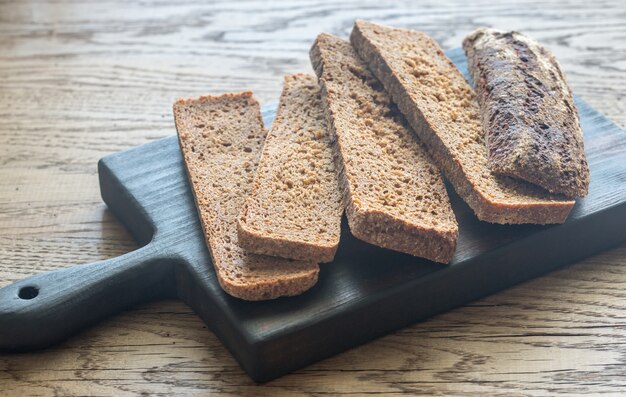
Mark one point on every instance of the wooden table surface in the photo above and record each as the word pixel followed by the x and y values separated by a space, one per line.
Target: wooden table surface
pixel 79 80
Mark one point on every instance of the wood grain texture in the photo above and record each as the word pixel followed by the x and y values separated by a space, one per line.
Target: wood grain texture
pixel 84 79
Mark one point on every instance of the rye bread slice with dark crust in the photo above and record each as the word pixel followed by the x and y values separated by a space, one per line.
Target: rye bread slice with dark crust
pixel 531 123
pixel 295 207
pixel 441 107
pixel 395 197
pixel 221 138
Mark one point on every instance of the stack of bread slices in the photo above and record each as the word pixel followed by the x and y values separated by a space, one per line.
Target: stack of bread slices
pixel 370 136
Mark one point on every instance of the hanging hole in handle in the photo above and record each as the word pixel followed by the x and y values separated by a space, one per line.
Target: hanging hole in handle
pixel 28 292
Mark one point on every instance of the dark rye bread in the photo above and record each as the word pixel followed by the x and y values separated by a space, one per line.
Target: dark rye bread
pixel 440 106
pixel 531 123
pixel 395 197
pixel 221 138
pixel 295 207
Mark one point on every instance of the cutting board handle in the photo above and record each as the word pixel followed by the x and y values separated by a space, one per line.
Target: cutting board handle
pixel 46 308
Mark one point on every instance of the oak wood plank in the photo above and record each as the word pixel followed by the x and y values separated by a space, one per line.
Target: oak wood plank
pixel 79 80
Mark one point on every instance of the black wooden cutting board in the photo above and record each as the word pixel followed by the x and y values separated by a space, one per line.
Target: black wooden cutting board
pixel 365 293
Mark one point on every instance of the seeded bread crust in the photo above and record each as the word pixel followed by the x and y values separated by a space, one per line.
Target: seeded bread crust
pixel 440 106
pixel 395 197
pixel 295 207
pixel 221 138
pixel 531 123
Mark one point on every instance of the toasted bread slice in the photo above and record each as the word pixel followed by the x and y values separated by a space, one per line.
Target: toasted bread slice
pixel 295 207
pixel 221 138
pixel 395 197
pixel 441 107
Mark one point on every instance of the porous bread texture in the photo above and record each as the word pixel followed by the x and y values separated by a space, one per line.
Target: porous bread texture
pixel 221 138
pixel 531 124
pixel 441 107
pixel 395 197
pixel 295 207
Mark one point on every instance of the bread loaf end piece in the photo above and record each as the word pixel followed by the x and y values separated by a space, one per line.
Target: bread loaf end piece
pixel 531 123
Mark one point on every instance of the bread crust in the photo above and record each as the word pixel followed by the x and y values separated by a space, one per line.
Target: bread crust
pixel 528 113
pixel 263 244
pixel 442 109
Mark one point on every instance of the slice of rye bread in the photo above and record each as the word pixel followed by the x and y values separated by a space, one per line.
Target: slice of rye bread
pixel 441 107
pixel 295 207
pixel 395 197
pixel 221 138
pixel 531 123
